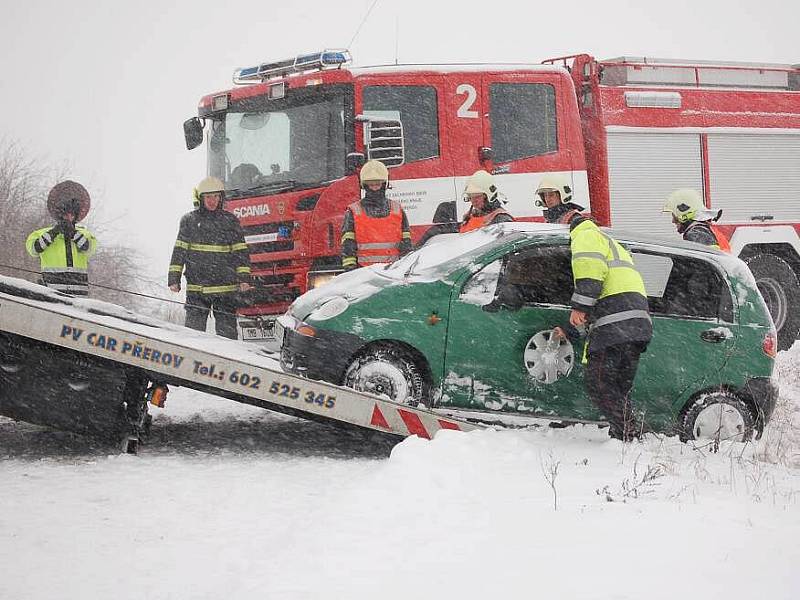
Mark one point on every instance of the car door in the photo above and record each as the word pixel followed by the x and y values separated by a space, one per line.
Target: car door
pixel 693 331
pixel 499 353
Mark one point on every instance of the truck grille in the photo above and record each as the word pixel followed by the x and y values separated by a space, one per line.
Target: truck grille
pixel 269 237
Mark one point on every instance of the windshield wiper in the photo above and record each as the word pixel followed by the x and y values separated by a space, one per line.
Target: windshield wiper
pixel 411 268
pixel 284 185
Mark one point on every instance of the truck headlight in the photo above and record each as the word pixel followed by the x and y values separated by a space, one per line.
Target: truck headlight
pixel 332 308
pixel 316 279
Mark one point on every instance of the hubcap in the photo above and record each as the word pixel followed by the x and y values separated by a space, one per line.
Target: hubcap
pixel 382 379
pixel 776 300
pixel 547 358
pixel 719 421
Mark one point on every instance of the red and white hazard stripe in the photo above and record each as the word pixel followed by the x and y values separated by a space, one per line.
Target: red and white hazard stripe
pixel 409 421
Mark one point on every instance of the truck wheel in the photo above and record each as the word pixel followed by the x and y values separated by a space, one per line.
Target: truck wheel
pixel 778 283
pixel 718 416
pixel 386 371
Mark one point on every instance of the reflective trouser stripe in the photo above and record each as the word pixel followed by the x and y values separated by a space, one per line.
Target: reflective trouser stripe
pixel 585 300
pixel 621 316
pixel 211 289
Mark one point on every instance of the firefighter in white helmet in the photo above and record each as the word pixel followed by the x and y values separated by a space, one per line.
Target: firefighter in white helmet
pixel 485 204
pixel 555 197
pixel 375 229
pixel 693 221
pixel 211 253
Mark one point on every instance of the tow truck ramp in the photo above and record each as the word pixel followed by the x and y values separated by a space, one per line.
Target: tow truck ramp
pixel 90 367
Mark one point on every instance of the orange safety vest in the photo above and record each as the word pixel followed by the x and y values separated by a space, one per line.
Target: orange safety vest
pixel 476 222
pixel 722 241
pixel 377 238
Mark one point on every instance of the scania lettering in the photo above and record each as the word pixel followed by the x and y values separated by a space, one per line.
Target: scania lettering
pixel 625 131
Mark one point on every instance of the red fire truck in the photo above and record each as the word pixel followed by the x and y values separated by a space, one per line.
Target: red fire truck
pixel 289 141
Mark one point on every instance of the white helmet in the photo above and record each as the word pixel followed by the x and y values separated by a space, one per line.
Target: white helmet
pixel 552 182
pixel 209 185
pixel 482 182
pixel 685 205
pixel 374 171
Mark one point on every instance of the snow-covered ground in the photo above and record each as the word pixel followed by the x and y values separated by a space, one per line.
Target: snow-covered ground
pixel 229 501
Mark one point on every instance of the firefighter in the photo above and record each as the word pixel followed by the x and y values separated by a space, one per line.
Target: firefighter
pixel 485 206
pixel 693 221
pixel 210 250
pixel 64 248
pixel 375 229
pixel 610 300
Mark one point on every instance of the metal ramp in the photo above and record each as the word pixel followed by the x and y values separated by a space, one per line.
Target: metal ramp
pixel 90 367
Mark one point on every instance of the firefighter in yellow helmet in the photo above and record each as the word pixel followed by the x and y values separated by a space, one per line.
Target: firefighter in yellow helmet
pixel 485 205
pixel 375 229
pixel 211 253
pixel 610 300
pixel 693 221
pixel 64 248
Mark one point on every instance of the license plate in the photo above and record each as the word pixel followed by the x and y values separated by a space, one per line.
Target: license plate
pixel 265 330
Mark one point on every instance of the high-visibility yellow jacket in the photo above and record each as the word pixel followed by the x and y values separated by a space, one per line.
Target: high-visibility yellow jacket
pixel 608 288
pixel 64 264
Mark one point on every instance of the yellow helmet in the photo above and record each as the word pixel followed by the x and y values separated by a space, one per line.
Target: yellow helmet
pixel 482 182
pixel 207 186
pixel 684 204
pixel 374 171
pixel 553 182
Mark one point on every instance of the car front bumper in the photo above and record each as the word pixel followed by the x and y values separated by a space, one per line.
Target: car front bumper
pixel 323 356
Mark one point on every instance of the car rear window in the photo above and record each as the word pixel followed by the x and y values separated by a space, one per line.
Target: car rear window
pixel 684 286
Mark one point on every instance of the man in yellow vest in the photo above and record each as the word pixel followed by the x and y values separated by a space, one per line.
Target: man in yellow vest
pixel 64 248
pixel 484 198
pixel 610 300
pixel 375 229
pixel 211 252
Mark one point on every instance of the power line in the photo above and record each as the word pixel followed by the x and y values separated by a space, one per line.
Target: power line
pixel 360 25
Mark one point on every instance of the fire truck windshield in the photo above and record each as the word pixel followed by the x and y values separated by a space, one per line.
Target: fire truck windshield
pixel 273 146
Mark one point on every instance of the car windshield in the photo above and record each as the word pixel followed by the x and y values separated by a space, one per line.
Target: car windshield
pixel 448 252
pixel 262 147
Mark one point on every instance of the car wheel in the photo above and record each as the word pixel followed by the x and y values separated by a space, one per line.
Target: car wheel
pixel 778 283
pixel 387 371
pixel 718 416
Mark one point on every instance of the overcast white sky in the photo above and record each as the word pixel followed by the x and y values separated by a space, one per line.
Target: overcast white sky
pixel 105 86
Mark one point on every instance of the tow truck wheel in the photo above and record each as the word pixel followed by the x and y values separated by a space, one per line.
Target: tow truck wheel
pixel 386 371
pixel 718 416
pixel 778 283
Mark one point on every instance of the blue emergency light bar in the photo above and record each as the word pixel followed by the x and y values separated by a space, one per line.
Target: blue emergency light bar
pixel 327 59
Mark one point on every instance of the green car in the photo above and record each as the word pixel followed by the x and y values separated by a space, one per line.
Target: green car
pixel 465 324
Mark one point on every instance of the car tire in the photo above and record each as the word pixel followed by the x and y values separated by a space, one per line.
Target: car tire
pixel 387 371
pixel 718 416
pixel 778 284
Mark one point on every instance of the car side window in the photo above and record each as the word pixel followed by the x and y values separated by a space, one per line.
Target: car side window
pixel 417 109
pixel 684 286
pixel 523 120
pixel 540 275
pixel 482 286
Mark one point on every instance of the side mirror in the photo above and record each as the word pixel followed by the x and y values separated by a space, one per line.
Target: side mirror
pixel 193 133
pixel 384 141
pixel 353 162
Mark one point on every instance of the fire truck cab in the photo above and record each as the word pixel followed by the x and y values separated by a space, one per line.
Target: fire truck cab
pixel 289 140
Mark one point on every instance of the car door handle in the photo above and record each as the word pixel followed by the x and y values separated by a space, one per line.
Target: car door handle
pixel 713 336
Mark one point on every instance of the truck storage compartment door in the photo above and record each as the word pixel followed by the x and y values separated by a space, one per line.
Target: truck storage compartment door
pixel 643 168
